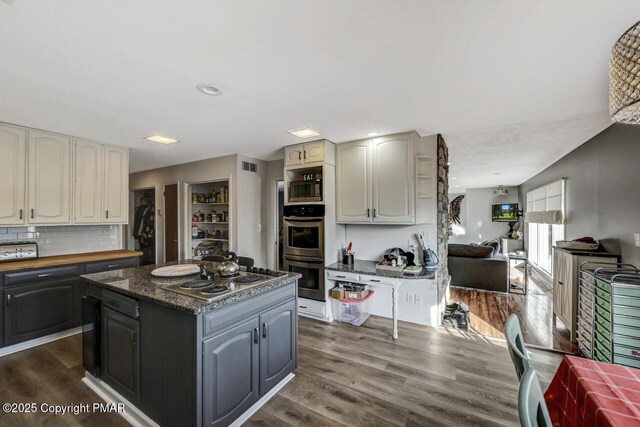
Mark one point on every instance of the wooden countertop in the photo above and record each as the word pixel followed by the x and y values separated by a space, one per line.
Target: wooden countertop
pixel 51 261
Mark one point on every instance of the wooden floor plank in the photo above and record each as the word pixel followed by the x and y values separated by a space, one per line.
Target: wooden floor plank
pixel 489 310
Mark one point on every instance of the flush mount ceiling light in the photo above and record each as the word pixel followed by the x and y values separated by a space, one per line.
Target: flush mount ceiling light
pixel 208 89
pixel 303 133
pixel 373 134
pixel 160 139
pixel 454 177
pixel 500 191
pixel 624 78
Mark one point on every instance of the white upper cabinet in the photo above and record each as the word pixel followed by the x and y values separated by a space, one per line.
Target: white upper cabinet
pixel 13 141
pixel 376 180
pixel 116 185
pixel 49 178
pixel 353 182
pixel 302 154
pixel 88 183
pixel 393 183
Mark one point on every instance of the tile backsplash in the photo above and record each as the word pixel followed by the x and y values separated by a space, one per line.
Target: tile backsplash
pixel 67 239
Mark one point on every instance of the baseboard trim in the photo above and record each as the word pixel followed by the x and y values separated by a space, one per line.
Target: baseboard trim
pixel 131 413
pixel 39 341
pixel 260 403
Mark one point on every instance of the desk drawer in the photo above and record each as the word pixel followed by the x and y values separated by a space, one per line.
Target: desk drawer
pixel 312 308
pixel 339 275
pixel 121 303
pixel 41 274
pixel 377 280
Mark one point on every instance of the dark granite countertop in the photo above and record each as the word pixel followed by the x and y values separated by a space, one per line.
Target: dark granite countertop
pixel 140 284
pixel 369 267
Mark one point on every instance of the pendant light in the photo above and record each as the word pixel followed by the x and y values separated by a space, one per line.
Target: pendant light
pixel 624 78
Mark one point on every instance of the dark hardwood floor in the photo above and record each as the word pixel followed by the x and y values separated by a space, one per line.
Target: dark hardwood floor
pixel 489 311
pixel 347 375
pixel 51 374
pixel 350 376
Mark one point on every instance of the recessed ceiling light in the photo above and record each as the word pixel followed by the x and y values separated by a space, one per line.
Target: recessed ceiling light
pixel 497 173
pixel 454 177
pixel 373 134
pixel 457 186
pixel 160 139
pixel 209 89
pixel 449 164
pixel 303 133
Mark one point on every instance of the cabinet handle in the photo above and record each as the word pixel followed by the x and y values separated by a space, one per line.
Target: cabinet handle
pixel 256 334
pixel 133 337
pixel 299 155
pixel 112 265
pixel 44 275
pixel 374 213
pixel 8 299
pixel 368 212
pixel 106 214
pixel 302 306
pixel 342 277
pixel 32 213
pixel 265 330
pixel 305 154
pixel 20 213
pixel 374 280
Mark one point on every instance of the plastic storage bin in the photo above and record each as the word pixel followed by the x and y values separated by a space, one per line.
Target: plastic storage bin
pixel 352 311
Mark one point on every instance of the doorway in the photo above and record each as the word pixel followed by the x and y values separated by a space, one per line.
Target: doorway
pixel 171 222
pixel 279 224
pixel 143 230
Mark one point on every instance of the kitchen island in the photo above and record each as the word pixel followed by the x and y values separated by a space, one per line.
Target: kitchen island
pixel 188 360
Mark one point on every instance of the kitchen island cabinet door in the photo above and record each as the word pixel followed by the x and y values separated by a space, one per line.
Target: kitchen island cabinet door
pixel 353 182
pixel 120 353
pixel 32 311
pixel 13 142
pixel 49 178
pixel 230 372
pixel 277 349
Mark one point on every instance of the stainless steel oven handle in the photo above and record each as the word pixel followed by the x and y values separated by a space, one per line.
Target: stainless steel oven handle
pixel 296 258
pixel 303 218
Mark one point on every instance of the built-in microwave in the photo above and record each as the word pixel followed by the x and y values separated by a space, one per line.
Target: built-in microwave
pixel 308 189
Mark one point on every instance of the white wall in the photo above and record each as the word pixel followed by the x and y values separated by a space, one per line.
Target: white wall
pixel 274 173
pixel 245 190
pixel 476 224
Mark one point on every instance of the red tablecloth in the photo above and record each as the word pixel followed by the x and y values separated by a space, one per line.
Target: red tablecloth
pixel 588 393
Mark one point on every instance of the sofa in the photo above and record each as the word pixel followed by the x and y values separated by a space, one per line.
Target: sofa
pixel 479 266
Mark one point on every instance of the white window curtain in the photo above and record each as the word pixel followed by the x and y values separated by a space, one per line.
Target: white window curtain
pixel 545 216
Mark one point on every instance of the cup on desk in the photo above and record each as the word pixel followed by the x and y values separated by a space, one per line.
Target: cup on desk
pixel 347 259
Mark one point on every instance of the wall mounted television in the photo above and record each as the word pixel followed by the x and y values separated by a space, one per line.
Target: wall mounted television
pixel 505 212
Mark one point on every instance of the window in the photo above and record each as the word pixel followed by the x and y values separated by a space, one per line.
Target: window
pixel 541 236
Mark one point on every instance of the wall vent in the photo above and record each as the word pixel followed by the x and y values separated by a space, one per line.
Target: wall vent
pixel 251 167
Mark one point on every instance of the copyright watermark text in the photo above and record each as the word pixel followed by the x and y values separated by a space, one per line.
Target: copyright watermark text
pixel 75 409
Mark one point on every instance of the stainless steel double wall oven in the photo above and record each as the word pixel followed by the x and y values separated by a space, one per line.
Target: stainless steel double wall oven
pixel 304 248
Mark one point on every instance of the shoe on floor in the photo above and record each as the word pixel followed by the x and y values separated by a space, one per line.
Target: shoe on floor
pixel 458 306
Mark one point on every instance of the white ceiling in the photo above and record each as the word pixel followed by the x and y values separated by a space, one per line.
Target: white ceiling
pixel 513 86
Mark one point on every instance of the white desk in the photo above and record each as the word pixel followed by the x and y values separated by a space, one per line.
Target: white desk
pixel 364 272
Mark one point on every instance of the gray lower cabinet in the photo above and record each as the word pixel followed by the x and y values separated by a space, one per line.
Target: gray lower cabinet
pixel 246 361
pixel 36 310
pixel 230 372
pixel 277 358
pixel 120 353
